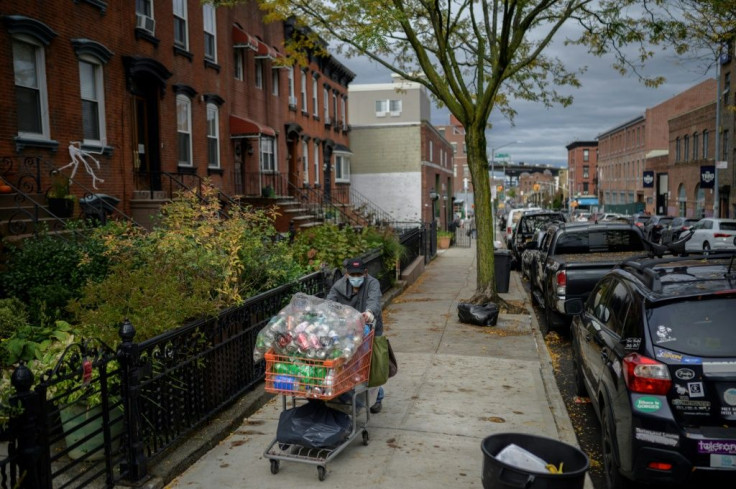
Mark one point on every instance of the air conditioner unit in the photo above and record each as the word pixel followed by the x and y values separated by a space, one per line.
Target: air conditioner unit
pixel 145 22
pixel 292 101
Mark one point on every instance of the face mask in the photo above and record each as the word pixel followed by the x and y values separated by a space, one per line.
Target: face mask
pixel 356 281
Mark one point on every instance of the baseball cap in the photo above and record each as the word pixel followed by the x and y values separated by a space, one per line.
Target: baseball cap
pixel 355 265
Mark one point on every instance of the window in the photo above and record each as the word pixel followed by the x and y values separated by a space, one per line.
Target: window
pixel 93 101
pixel 268 154
pixel 334 107
pixel 259 74
pixel 315 91
pixel 677 149
pixel 275 80
pixel 394 106
pixel 342 167
pixel 381 108
pixel 699 201
pixel 343 113
pixel 682 200
pixel 144 15
pixel 695 146
pixel 210 40
pixel 184 129
pixel 586 171
pixel 705 144
pixel 181 38
pixel 292 97
pixel 326 102
pixel 29 65
pixel 316 163
pixel 618 303
pixel 431 151
pixel 586 154
pixel 304 90
pixel 213 136
pixel 305 162
pixel 724 146
pixel 585 187
pixel 686 147
pixel 238 64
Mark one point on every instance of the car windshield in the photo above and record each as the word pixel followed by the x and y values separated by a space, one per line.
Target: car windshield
pixel 696 327
pixel 612 240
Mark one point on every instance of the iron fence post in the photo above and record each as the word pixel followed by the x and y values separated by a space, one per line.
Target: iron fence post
pixel 27 432
pixel 135 466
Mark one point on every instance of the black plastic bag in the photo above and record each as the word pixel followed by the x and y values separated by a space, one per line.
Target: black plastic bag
pixel 313 425
pixel 485 315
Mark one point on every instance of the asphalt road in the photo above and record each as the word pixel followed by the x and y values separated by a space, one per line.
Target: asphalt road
pixel 584 420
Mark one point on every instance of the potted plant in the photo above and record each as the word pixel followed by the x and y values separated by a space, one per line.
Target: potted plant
pixel 443 239
pixel 59 198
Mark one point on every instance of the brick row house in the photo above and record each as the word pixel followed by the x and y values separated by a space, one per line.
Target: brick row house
pixel 156 92
pixel 582 164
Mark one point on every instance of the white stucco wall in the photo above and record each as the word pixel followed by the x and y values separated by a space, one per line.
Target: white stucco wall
pixel 398 193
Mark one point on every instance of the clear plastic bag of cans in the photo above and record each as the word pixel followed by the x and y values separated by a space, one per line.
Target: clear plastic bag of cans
pixel 314 328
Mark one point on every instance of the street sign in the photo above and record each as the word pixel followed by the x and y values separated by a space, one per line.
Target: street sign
pixel 502 155
pixel 721 165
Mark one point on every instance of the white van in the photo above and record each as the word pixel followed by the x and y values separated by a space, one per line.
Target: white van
pixel 512 219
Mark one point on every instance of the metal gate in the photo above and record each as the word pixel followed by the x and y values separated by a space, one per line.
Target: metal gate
pixel 464 234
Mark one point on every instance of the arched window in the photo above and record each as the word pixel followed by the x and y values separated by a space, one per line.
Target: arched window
pixel 699 201
pixel 682 200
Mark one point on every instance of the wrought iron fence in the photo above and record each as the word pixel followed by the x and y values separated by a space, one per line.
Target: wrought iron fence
pixel 101 417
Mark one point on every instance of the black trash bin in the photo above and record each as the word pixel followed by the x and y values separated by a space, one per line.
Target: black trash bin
pixel 97 207
pixel 500 475
pixel 502 260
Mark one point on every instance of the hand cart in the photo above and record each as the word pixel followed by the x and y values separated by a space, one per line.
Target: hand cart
pixel 325 380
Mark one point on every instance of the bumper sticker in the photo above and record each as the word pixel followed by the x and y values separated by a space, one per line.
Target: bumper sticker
pixel 648 404
pixel 723 461
pixel 720 447
pixel 729 397
pixel 669 439
pixel 696 389
pixel 685 374
pixel 692 407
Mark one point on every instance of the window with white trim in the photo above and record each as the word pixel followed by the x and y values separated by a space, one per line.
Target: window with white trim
pixel 334 107
pixel 239 63
pixel 326 101
pixel 181 36
pixel 303 94
pixel 381 108
pixel 316 163
pixel 184 130
pixel 31 92
pixel 315 92
pixel 342 167
pixel 213 136
pixel 144 15
pixel 92 92
pixel 292 95
pixel 268 154
pixel 210 32
pixel 394 107
pixel 343 113
pixel 259 74
pixel 305 162
pixel 275 80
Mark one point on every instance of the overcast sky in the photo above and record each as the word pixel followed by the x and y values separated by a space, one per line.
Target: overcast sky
pixel 605 100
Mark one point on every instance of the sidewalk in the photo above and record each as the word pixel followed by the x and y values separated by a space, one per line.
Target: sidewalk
pixel 457 384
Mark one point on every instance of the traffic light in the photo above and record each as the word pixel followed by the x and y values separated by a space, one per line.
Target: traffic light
pixel 499 188
pixel 536 187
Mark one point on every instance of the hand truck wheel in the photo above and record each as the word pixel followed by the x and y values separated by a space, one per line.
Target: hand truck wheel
pixel 321 473
pixel 274 466
pixel 366 438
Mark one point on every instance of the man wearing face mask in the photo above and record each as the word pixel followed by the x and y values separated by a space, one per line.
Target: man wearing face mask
pixel 361 291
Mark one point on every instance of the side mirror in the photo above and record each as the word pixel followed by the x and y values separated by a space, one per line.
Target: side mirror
pixel 574 307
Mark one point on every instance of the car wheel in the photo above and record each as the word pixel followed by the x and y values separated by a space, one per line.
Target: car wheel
pixel 577 373
pixel 614 479
pixel 706 247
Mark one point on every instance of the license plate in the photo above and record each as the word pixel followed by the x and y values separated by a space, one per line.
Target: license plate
pixel 723 461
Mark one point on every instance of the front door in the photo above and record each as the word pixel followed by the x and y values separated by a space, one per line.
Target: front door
pixel 148 171
pixel 662 190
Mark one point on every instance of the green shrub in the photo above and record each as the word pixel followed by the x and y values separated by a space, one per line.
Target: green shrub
pixel 13 315
pixel 329 245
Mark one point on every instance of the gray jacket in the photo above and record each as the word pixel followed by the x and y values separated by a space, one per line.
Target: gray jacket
pixel 367 298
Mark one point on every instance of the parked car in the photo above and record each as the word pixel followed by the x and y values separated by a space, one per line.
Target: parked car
pixel 512 219
pixel 641 220
pixel 712 233
pixel 653 348
pixel 654 226
pixel 677 226
pixel 574 257
pixel 531 253
pixel 524 230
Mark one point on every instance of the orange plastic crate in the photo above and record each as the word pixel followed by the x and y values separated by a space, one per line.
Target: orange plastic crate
pixel 298 376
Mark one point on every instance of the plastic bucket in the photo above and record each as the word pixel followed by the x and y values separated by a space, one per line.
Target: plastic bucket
pixel 500 475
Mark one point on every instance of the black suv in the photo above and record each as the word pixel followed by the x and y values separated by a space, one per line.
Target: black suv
pixel 654 346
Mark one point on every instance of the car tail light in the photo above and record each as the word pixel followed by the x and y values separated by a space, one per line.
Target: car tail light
pixel 645 375
pixel 508 230
pixel 659 466
pixel 561 279
pixel 721 235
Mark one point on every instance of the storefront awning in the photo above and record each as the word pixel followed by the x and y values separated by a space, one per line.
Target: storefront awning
pixel 242 39
pixel 241 126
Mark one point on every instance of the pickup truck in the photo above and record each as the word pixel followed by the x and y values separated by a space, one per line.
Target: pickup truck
pixel 573 257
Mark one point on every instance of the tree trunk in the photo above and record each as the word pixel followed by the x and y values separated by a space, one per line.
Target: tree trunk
pixel 478 164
